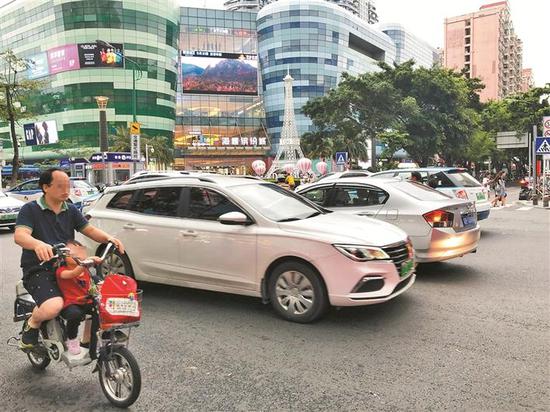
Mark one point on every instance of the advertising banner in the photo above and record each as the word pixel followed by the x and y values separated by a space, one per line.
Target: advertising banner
pixel 39 66
pixel 41 133
pixel 94 55
pixel 63 58
pixel 219 73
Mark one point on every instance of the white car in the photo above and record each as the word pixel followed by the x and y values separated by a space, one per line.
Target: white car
pixel 9 209
pixel 453 181
pixel 29 191
pixel 246 236
pixel 440 227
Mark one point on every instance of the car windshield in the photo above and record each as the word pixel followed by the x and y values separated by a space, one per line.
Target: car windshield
pixel 420 191
pixel 276 203
pixel 82 184
pixel 462 179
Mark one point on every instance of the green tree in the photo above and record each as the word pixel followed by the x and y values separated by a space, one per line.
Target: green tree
pixel 14 90
pixel 424 111
pixel 160 146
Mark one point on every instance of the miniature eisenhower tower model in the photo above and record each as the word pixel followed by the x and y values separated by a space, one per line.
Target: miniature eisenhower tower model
pixel 289 144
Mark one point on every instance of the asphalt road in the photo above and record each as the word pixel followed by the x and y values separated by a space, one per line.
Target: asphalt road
pixel 472 334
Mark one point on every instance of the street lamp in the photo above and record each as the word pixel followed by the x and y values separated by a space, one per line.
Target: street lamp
pixel 102 105
pixel 147 147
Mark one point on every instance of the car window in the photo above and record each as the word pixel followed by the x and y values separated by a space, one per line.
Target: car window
pixel 121 200
pixel 143 203
pixel 166 202
pixel 439 180
pixel 462 179
pixel 30 186
pixel 208 204
pixel 408 175
pixel 317 195
pixel 355 196
pixel 420 191
pixel 82 184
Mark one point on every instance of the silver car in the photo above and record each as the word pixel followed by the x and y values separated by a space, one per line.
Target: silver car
pixel 245 236
pixel 440 227
pixel 9 209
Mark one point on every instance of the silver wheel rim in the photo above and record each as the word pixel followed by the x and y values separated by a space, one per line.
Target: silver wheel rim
pixel 120 383
pixel 113 264
pixel 294 292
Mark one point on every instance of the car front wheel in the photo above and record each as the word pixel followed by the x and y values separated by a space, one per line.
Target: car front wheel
pixel 297 292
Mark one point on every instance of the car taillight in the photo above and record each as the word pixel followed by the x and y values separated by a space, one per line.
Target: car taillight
pixel 439 218
pixel 77 192
pixel 461 194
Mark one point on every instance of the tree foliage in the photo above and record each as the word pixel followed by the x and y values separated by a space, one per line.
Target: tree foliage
pixel 425 111
pixel 15 89
pixel 160 146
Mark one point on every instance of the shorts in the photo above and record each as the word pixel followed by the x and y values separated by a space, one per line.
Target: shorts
pixel 41 284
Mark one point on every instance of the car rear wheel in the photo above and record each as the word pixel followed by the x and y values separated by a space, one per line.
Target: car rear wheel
pixel 297 292
pixel 116 263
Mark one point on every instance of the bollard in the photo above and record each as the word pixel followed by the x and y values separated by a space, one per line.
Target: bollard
pixel 545 201
pixel 535 200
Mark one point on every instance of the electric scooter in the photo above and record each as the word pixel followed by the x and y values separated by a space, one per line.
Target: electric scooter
pixel 116 310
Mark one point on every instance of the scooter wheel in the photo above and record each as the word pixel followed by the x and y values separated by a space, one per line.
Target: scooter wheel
pixel 38 361
pixel 119 377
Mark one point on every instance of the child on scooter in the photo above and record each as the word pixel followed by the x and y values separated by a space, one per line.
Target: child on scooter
pixel 74 283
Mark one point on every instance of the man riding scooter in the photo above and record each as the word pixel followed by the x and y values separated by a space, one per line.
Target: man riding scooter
pixel 41 224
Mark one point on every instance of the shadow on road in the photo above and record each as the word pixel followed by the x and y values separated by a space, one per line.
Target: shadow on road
pixel 240 309
pixel 444 272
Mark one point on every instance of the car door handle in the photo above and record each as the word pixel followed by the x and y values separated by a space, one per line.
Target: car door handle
pixel 188 233
pixel 367 214
pixel 129 226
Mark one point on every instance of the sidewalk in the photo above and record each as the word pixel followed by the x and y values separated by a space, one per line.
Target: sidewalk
pixel 513 196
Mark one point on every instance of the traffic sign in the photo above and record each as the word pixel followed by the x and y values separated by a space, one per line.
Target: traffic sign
pixel 135 128
pixel 542 145
pixel 134 147
pixel 341 158
pixel 546 126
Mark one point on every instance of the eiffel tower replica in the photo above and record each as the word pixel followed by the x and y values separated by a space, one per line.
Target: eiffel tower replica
pixel 289 146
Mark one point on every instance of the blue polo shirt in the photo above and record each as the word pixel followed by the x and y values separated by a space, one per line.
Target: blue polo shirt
pixel 47 226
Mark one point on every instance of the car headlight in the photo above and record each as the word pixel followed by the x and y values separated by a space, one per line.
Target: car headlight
pixel 362 253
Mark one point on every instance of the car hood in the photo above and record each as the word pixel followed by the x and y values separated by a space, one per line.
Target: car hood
pixel 343 228
pixel 10 202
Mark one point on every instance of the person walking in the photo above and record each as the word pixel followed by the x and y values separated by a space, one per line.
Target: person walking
pixel 500 189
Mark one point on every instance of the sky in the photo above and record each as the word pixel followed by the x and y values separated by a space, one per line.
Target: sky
pixel 424 18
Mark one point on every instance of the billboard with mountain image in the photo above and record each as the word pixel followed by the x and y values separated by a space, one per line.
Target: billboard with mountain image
pixel 214 75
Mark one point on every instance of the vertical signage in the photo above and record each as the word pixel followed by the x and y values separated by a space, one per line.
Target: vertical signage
pixel 546 126
pixel 135 146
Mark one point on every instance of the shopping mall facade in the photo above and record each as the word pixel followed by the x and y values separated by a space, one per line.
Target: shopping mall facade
pixel 212 80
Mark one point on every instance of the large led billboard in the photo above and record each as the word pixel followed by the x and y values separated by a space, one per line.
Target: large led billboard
pixel 40 133
pixel 63 58
pixel 219 73
pixel 94 55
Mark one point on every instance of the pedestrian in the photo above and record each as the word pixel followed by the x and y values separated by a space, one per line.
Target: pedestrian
pixel 500 189
pixel 416 177
pixel 289 180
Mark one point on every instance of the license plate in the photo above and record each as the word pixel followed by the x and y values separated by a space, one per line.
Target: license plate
pixel 122 306
pixel 8 217
pixel 480 196
pixel 468 220
pixel 406 268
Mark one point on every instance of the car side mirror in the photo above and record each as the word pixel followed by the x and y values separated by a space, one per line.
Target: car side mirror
pixel 234 218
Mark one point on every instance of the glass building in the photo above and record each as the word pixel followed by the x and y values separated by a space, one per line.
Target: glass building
pixel 59 37
pixel 408 46
pixel 220 117
pixel 315 41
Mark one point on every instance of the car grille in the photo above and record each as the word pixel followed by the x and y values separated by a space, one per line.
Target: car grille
pixel 398 253
pixel 9 209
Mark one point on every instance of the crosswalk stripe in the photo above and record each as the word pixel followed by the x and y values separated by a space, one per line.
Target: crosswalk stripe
pixel 525 208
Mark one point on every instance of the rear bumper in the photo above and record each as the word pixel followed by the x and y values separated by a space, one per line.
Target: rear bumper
pixel 483 215
pixel 448 245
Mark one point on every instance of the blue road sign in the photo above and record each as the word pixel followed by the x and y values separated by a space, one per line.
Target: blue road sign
pixel 341 158
pixel 111 157
pixel 542 145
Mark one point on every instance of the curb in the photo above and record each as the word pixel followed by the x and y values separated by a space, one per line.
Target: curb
pixel 530 203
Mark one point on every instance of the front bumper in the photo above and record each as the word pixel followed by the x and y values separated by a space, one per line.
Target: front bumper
pixel 447 244
pixel 342 277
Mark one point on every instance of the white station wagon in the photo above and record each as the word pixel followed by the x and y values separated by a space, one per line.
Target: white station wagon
pixel 245 236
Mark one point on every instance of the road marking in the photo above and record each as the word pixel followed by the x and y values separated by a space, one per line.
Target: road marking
pixel 525 208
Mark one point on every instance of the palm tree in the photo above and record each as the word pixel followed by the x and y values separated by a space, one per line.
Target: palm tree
pixel 162 150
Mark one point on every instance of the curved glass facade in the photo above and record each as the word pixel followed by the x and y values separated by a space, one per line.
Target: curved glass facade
pixel 59 36
pixel 316 41
pixel 409 46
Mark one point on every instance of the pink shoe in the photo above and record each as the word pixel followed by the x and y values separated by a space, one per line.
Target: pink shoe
pixel 73 345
